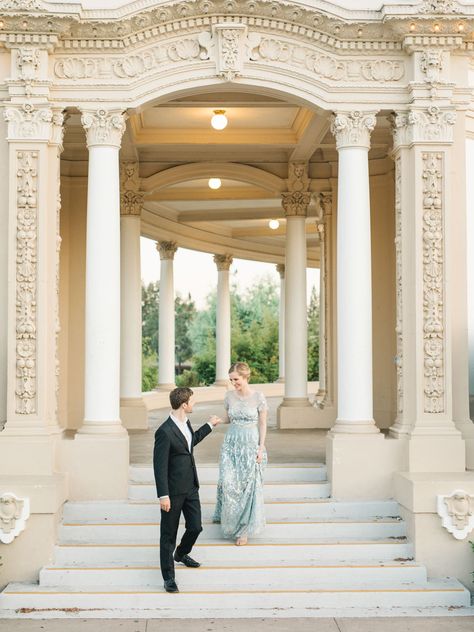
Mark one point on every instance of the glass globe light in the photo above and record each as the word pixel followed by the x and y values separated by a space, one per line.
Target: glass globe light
pixel 215 183
pixel 274 224
pixel 219 120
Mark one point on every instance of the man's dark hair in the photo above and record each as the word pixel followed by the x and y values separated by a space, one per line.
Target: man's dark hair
pixel 180 395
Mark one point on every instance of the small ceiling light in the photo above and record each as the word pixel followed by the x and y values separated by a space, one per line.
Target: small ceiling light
pixel 2 24
pixel 219 120
pixel 359 32
pixel 215 183
pixel 274 224
pixel 436 28
pixel 412 27
pixel 460 27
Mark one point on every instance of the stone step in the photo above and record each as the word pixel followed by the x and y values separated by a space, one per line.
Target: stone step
pixel 219 552
pixel 290 531
pixel 240 577
pixel 209 473
pixel 271 491
pixel 149 511
pixel 447 593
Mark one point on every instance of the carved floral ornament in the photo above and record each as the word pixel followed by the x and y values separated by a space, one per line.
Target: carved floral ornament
pixel 432 124
pixel 14 512
pixel 353 129
pixel 223 262
pixel 131 198
pixel 103 127
pixel 167 249
pixel 457 513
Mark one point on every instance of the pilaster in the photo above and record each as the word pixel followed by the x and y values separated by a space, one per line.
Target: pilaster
pixel 423 138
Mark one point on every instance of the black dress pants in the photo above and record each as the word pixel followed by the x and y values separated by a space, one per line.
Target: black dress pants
pixel 190 505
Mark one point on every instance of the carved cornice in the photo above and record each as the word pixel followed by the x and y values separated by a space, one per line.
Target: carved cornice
pixel 131 198
pixel 223 262
pixel 353 129
pixel 167 249
pixel 103 127
pixel 431 125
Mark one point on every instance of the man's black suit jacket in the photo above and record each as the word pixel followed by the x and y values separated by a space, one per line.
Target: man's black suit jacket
pixel 173 463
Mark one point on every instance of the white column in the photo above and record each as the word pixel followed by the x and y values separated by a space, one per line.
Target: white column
pixel 131 202
pixel 321 394
pixel 102 323
pixel 354 276
pixel 223 324
pixel 281 324
pixel 166 333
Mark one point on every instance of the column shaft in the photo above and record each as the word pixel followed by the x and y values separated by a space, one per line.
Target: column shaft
pixel 166 333
pixel 322 315
pixel 281 325
pixel 223 319
pixel 131 313
pixel 296 327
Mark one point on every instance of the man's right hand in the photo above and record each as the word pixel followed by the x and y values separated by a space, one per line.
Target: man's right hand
pixel 214 420
pixel 165 504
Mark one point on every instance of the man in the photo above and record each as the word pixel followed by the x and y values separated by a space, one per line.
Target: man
pixel 177 483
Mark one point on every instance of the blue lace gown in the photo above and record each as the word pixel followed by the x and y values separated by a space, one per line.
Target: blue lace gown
pixel 239 506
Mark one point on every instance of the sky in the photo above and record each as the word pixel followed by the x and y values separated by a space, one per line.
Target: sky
pixel 196 273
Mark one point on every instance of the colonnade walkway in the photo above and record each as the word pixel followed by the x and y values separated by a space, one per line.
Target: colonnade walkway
pixel 283 446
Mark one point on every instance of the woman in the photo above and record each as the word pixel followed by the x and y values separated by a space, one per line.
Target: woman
pixel 239 506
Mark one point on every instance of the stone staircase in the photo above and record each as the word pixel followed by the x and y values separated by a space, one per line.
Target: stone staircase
pixel 316 553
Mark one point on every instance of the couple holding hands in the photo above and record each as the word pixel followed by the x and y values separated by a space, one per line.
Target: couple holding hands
pixel 239 504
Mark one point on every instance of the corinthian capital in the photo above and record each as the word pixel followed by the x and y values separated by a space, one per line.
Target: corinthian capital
pixel 167 249
pixel 103 127
pixel 429 126
pixel 28 122
pixel 223 262
pixel 353 129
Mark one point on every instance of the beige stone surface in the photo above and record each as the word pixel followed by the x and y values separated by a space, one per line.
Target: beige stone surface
pixel 396 624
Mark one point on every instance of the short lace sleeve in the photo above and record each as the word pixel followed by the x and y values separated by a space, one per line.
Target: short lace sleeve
pixel 261 402
pixel 226 402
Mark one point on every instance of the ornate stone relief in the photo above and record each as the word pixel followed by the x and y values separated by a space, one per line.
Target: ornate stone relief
pixel 431 64
pixel 353 129
pixel 28 63
pixel 103 127
pixel 28 122
pixel 229 45
pixel 167 249
pixel 399 283
pixel 433 283
pixel 131 198
pixel 26 281
pixel 439 6
pixel 457 513
pixel 14 512
pixel 223 262
pixel 21 5
pixel 423 125
pixel 295 202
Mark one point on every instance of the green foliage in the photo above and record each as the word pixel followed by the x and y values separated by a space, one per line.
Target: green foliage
pixel 185 311
pixel 255 316
pixel 313 336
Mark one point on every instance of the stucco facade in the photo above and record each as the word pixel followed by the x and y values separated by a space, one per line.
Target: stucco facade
pixel 352 126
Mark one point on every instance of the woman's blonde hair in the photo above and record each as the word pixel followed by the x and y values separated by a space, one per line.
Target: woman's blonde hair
pixel 242 368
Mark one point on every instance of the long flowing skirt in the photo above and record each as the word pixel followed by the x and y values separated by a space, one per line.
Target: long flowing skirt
pixel 239 506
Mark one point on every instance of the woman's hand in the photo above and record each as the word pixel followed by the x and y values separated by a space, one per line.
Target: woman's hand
pixel 260 454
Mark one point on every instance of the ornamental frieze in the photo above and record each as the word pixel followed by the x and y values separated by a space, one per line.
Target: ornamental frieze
pixel 14 512
pixel 433 283
pixel 230 47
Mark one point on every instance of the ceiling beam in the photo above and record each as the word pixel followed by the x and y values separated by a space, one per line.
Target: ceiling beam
pixel 310 137
pixel 185 194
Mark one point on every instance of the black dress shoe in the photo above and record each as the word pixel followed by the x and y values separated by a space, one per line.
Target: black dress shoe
pixel 170 586
pixel 187 561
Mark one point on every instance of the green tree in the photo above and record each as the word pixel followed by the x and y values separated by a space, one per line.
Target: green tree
pixel 185 311
pixel 313 336
pixel 150 323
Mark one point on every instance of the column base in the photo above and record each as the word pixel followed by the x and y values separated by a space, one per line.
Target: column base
pixel 133 413
pixel 33 454
pixel 98 428
pixel 280 380
pixel 295 412
pixel 222 382
pixel 97 465
pixel 443 453
pixel 436 548
pixel 166 387
pixel 356 427
pixel 361 466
